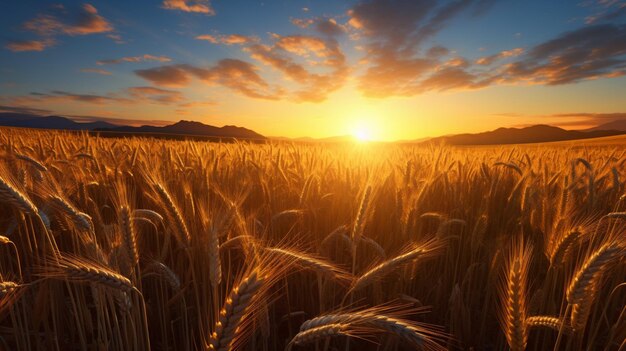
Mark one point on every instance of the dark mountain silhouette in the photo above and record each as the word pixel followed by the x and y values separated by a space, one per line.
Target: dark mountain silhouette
pixel 619 124
pixel 191 128
pixel 534 134
pixel 10 119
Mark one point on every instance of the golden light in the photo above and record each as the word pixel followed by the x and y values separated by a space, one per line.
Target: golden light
pixel 362 133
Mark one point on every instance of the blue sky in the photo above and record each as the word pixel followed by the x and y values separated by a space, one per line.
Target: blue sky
pixel 319 68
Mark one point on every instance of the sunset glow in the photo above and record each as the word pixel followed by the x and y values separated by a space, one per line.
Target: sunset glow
pixel 303 68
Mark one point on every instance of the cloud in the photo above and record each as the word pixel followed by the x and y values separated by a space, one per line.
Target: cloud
pixel 237 75
pixel 577 120
pixel 143 58
pixel 590 52
pixel 157 95
pixel 325 26
pixel 29 45
pixel 230 39
pixel 116 38
pixel 175 76
pixel 97 71
pixel 609 11
pixel 132 95
pixel 302 22
pixel 196 6
pixel 394 32
pixel 397 64
pixel 319 52
pixel 73 21
pixel 488 60
pixel 26 110
pixel 82 21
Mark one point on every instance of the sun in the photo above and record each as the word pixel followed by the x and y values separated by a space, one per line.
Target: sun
pixel 362 134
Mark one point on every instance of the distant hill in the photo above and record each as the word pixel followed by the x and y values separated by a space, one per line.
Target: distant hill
pixel 10 119
pixel 191 128
pixel 22 120
pixel 534 134
pixel 619 124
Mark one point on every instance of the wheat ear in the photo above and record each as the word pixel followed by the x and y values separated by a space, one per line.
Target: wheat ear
pixel 81 270
pixel 545 322
pixel 80 219
pixel 128 234
pixel 419 336
pixel 233 312
pixel 313 263
pixel 173 212
pixel 590 271
pixel 313 334
pixel 215 262
pixel 427 249
pixel 513 298
pixel 13 196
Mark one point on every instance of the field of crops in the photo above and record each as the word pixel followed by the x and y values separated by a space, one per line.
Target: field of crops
pixel 137 244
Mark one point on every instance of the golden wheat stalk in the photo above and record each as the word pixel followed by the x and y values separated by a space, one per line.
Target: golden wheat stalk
pixel 234 311
pixel 422 336
pixel 82 220
pixel 81 270
pixel 11 195
pixel 426 250
pixel 513 297
pixel 563 245
pixel 590 271
pixel 316 264
pixel 311 335
pixel 129 235
pixel 359 221
pixel 174 212
pixel 215 262
pixel 550 322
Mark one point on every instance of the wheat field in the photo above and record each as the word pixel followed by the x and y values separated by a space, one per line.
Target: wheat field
pixel 141 243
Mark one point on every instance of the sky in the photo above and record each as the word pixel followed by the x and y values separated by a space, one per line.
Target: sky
pixel 381 69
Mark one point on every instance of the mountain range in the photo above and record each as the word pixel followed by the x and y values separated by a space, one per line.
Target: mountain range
pixel 534 134
pixel 187 128
pixel 531 134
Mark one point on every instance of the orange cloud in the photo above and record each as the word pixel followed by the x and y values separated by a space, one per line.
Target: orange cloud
pixel 143 58
pixel 83 21
pixel 230 39
pixel 29 45
pixel 302 22
pixel 487 60
pixel 97 71
pixel 158 95
pixel 168 76
pixel 197 6
pixel 208 37
pixel 236 75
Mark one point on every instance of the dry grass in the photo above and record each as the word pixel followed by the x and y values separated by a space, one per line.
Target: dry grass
pixel 137 244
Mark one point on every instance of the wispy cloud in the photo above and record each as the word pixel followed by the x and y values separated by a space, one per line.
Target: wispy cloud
pixel 29 45
pixel 96 71
pixel 589 52
pixel 197 6
pixel 398 64
pixel 318 52
pixel 237 75
pixel 26 110
pixel 143 58
pixel 81 21
pixel 61 20
pixel 230 39
pixel 157 95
